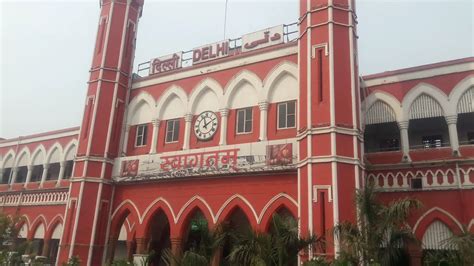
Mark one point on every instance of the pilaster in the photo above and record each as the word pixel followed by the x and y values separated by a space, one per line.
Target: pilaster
pixel 263 106
pixel 224 117
pixel 188 118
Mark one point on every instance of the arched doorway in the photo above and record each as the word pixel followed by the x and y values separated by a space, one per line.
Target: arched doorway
pixel 121 251
pixel 159 232
pixel 436 245
pixel 196 231
pixel 236 223
pixel 37 243
pixel 54 243
pixel 283 229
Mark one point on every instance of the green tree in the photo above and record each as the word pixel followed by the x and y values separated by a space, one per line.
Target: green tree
pixel 381 230
pixel 279 247
pixel 459 253
pixel 10 250
pixel 199 253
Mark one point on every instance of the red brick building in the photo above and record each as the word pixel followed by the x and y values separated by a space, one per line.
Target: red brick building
pixel 277 121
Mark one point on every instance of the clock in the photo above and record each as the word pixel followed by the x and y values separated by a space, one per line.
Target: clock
pixel 206 125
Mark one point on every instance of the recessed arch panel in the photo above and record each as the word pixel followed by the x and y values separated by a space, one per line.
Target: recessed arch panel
pixel 380 112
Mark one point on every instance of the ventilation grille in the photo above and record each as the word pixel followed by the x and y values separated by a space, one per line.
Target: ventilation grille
pixel 436 236
pixel 425 107
pixel 379 113
pixel 466 103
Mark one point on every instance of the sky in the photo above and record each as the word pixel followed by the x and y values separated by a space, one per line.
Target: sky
pixel 46 45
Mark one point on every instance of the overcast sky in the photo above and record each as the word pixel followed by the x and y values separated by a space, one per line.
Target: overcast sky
pixel 46 46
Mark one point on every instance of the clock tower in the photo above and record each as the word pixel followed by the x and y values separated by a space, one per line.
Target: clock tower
pixel 91 192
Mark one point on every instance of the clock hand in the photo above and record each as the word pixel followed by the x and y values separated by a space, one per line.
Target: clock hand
pixel 208 123
pixel 205 124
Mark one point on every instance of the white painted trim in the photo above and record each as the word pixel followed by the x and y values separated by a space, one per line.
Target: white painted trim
pixel 321 187
pixel 419 89
pixel 71 145
pixel 283 68
pixel 386 98
pixel 241 78
pixel 218 67
pixel 205 84
pixel 26 140
pixel 24 152
pixel 191 200
pixel 52 220
pixel 151 206
pixel 51 150
pixel 437 71
pixel 168 95
pixel 272 200
pixel 137 101
pixel 38 150
pixel 229 200
pixel 457 92
pixel 436 209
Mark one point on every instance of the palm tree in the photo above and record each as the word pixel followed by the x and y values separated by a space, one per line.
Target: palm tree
pixel 279 247
pixel 460 252
pixel 202 251
pixel 381 230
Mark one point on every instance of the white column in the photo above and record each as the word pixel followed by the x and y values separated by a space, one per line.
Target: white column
pixel 403 126
pixel 451 120
pixel 188 118
pixel 45 174
pixel 13 174
pixel 62 167
pixel 224 115
pixel 28 175
pixel 263 120
pixel 125 139
pixel 154 137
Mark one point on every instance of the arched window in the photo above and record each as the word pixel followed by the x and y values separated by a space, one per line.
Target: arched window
pixel 427 127
pixel 465 123
pixel 381 130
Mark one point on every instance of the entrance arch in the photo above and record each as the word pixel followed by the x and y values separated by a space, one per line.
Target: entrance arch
pixel 159 233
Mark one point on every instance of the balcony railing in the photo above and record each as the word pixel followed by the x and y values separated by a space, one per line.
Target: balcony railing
pixel 56 197
pixel 290 33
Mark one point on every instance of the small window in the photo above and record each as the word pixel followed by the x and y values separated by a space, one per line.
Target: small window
pixel 435 141
pixel 141 135
pixel 244 120
pixel 172 130
pixel 286 115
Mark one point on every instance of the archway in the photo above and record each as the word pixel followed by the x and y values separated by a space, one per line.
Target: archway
pixel 37 244
pixel 196 231
pixel 159 232
pixel 121 251
pixel 237 223
pixel 283 229
pixel 435 242
pixel 54 243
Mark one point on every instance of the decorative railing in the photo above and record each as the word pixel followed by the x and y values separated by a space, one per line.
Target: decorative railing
pixel 34 198
pixel 427 180
pixel 290 33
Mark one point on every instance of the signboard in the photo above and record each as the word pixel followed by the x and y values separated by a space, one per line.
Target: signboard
pixel 210 52
pixel 262 39
pixel 249 157
pixel 165 63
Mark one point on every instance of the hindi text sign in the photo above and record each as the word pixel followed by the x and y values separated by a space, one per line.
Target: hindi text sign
pixel 262 39
pixel 165 63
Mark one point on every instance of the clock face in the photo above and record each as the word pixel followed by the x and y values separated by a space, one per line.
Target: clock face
pixel 206 125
